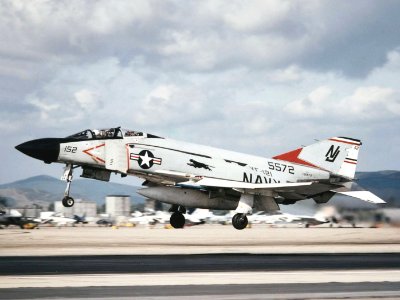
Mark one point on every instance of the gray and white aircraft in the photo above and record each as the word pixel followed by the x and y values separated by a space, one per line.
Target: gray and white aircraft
pixel 196 176
pixel 13 217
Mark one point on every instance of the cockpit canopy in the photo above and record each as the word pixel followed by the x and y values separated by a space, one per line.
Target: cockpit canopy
pixel 110 133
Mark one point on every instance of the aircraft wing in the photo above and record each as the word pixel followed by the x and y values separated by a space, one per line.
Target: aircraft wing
pixel 303 188
pixel 193 181
pixel 251 187
pixel 222 183
pixel 176 175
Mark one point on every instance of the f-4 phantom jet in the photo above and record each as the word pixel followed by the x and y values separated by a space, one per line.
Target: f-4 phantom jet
pixel 187 175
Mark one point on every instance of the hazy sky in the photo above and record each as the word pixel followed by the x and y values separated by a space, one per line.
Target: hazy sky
pixel 261 77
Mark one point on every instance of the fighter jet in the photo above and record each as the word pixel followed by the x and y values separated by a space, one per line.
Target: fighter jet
pixel 56 219
pixel 263 217
pixel 188 175
pixel 16 218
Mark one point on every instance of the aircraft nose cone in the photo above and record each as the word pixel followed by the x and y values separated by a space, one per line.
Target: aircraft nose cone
pixel 47 149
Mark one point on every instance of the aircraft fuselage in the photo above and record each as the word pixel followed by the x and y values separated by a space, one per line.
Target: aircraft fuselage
pixel 192 175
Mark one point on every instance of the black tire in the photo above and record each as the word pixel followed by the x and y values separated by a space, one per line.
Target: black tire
pixel 177 220
pixel 239 221
pixel 68 201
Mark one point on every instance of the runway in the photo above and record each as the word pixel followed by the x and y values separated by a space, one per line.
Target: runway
pixel 386 290
pixel 217 276
pixel 209 262
pixel 42 265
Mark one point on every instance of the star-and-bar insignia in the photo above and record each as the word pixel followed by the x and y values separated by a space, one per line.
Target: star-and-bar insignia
pixel 145 159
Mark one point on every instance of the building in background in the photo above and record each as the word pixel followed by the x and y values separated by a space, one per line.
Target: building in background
pixel 30 211
pixel 151 204
pixel 80 208
pixel 118 205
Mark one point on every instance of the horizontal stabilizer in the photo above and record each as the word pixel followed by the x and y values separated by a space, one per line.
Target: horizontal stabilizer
pixel 364 195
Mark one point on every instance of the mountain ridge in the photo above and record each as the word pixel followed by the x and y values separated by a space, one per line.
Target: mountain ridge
pixel 44 189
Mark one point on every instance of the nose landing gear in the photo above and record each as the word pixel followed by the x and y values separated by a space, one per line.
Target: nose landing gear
pixel 68 201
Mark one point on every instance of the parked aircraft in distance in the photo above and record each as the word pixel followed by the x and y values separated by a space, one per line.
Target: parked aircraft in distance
pixel 196 176
pixel 105 222
pixel 14 217
pixel 80 220
pixel 282 218
pixel 56 219
pixel 151 217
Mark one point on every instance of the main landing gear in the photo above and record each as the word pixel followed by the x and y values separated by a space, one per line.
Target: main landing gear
pixel 177 220
pixel 240 221
pixel 68 201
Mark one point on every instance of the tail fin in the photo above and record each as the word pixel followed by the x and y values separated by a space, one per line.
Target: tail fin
pixel 337 155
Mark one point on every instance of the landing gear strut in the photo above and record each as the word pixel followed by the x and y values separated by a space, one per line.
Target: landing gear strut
pixel 177 220
pixel 239 221
pixel 68 201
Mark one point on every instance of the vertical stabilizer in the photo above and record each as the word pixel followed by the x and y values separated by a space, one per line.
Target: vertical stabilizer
pixel 348 168
pixel 337 155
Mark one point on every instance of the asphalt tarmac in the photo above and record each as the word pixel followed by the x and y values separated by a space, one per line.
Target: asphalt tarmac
pixel 387 290
pixel 209 262
pixel 99 264
pixel 210 276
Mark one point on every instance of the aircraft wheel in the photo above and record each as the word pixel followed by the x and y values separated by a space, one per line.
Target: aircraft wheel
pixel 177 220
pixel 239 221
pixel 68 201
